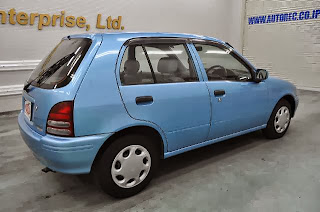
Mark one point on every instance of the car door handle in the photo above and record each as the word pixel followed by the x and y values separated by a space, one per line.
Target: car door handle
pixel 219 92
pixel 144 99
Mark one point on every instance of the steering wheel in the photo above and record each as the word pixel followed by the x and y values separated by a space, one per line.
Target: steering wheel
pixel 210 71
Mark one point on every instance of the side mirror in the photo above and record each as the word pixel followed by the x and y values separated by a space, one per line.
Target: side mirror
pixel 261 75
pixel 199 48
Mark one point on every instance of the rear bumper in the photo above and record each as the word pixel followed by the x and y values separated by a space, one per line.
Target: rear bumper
pixel 66 155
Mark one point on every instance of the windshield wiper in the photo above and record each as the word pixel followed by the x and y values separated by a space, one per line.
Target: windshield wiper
pixel 49 71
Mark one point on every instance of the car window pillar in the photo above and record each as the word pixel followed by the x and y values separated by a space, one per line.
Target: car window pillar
pixel 149 62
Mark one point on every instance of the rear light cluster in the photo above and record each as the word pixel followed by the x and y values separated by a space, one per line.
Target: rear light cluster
pixel 60 119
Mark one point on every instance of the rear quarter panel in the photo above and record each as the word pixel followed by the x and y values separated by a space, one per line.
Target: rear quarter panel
pixel 98 106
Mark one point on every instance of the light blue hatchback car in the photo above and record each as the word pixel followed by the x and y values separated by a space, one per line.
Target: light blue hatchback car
pixel 115 104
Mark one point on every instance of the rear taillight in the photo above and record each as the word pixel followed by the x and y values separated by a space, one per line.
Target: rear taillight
pixel 60 119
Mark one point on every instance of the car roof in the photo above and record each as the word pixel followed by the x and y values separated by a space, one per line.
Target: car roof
pixel 124 36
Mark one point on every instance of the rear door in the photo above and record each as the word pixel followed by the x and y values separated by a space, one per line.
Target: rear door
pixel 159 84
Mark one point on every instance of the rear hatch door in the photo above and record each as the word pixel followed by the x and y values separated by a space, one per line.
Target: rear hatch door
pixel 57 78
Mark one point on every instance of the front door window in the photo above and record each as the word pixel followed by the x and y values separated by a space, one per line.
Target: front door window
pixel 221 64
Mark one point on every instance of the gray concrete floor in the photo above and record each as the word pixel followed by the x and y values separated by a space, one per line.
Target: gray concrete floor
pixel 246 174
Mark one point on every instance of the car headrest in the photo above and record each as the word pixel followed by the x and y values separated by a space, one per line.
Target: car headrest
pixel 167 65
pixel 131 66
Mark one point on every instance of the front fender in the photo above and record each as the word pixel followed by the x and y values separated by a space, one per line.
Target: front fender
pixel 279 89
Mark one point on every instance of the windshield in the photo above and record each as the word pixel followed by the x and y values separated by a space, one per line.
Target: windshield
pixel 58 68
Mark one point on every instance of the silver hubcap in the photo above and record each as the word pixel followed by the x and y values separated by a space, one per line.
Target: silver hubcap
pixel 282 119
pixel 131 166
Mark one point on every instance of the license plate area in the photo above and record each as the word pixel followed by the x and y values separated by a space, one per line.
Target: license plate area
pixel 28 109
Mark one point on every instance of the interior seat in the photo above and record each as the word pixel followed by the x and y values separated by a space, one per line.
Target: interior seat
pixel 131 75
pixel 167 67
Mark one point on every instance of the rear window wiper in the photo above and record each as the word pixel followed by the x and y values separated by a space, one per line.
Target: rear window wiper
pixel 49 71
pixel 52 69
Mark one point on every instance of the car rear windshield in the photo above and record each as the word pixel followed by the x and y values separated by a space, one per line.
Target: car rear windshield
pixel 58 68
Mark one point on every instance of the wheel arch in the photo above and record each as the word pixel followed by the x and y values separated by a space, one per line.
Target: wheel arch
pixel 291 101
pixel 138 129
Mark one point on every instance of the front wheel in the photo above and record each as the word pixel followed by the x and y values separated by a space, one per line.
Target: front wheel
pixel 279 120
pixel 127 165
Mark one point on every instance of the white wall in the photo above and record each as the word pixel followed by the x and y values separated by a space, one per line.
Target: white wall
pixel 22 46
pixel 290 50
pixel 216 18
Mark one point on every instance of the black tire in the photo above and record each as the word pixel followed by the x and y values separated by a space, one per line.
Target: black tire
pixel 102 170
pixel 270 131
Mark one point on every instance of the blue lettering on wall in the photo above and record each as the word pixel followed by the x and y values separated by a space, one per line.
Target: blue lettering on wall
pixel 285 17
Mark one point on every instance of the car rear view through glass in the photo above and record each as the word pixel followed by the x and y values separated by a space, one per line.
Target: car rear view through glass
pixel 59 67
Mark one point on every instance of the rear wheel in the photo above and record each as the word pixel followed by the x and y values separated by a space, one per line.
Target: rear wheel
pixel 279 120
pixel 127 165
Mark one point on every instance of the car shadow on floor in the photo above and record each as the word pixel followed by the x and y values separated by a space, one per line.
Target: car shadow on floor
pixel 168 169
pixel 211 152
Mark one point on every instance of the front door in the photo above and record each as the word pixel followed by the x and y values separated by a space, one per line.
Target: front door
pixel 237 102
pixel 159 84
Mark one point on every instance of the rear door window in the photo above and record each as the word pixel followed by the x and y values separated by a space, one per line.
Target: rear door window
pixel 157 63
pixel 58 68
